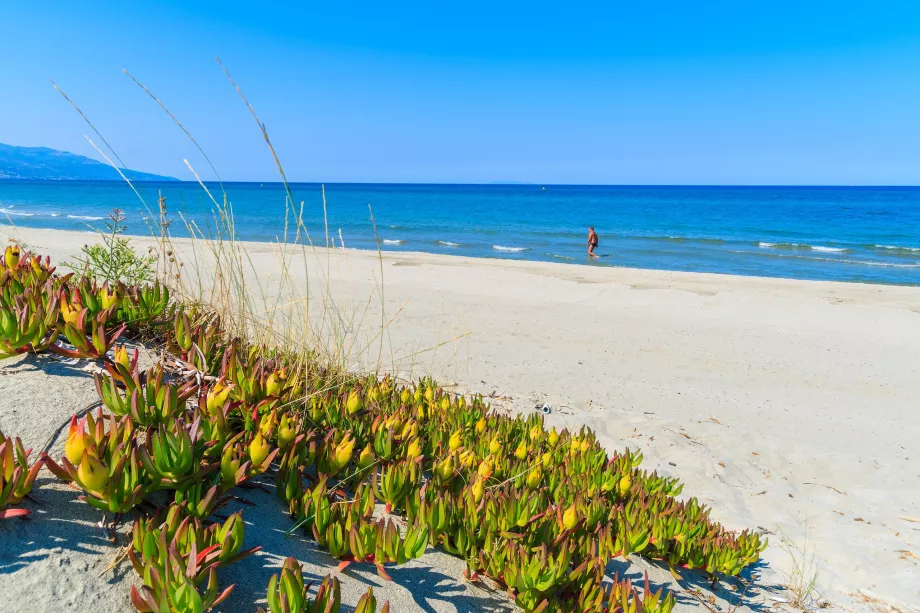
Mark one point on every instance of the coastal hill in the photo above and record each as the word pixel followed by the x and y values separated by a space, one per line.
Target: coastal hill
pixel 44 164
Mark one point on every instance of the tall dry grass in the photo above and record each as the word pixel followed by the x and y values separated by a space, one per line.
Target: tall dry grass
pixel 289 305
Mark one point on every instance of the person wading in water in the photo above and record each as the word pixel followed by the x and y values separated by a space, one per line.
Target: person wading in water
pixel 592 242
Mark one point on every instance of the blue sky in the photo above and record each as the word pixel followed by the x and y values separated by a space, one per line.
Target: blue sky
pixel 578 92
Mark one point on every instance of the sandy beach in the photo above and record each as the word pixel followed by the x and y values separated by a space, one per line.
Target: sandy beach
pixel 787 406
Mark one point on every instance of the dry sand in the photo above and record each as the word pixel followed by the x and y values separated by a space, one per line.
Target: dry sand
pixel 788 406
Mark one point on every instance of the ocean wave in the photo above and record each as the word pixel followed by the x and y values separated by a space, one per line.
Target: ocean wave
pixel 448 244
pixel 560 257
pixel 509 249
pixel 393 241
pixel 12 212
pixel 766 245
pixel 55 214
pixel 816 258
pixel 683 239
pixel 898 249
pixel 869 263
pixel 802 247
pixel 85 217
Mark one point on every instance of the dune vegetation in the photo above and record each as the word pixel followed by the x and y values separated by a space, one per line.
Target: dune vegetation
pixel 375 471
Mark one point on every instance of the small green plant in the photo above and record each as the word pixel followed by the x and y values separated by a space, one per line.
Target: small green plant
pixel 802 581
pixel 114 259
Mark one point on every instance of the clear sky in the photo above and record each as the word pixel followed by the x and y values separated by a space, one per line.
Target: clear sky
pixel 661 92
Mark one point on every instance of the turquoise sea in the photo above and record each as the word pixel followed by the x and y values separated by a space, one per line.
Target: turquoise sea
pixel 864 234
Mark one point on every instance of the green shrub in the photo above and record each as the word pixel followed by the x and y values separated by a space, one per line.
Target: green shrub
pixel 114 259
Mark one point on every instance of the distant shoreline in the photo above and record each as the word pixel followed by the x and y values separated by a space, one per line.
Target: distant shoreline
pixel 863 235
pixel 77 238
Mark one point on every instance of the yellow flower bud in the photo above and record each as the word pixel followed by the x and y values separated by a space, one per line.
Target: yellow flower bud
pixel 92 473
pixel 258 450
pixel 121 357
pixel 217 396
pixel 481 426
pixel 625 485
pixel 547 458
pixel 455 441
pixel 404 397
pixel 69 312
pixel 495 446
pixel 553 437
pixel 467 458
pixel 354 403
pixel 267 424
pixel 534 477
pixel 287 431
pixel 11 257
pixel 414 449
pixel 274 383
pixel 445 403
pixel 229 464
pixel 585 445
pixel 343 451
pixel 570 518
pixel 477 490
pixel 366 458
pixel 107 298
pixel 429 394
pixel 445 468
pixel 521 452
pixel 485 469
pixel 76 443
pixel 536 433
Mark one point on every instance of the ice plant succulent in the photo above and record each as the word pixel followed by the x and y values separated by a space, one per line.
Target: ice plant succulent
pixel 287 593
pixel 540 511
pixel 16 476
pixel 104 463
pixel 175 556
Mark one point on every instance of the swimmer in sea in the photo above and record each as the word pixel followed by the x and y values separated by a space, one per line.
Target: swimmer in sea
pixel 592 242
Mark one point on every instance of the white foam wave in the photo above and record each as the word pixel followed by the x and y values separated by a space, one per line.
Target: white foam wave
pixel 815 258
pixel 560 257
pixel 766 245
pixel 509 249
pixel 897 248
pixel 86 217
pixel 55 214
pixel 828 249
pixel 869 263
pixel 448 244
pixel 391 241
pixel 10 211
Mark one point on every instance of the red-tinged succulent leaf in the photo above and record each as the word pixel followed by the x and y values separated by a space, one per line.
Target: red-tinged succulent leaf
pixel 9 513
pixel 65 472
pixel 223 596
pixel 66 353
pixel 140 602
pixel 202 556
pixel 383 572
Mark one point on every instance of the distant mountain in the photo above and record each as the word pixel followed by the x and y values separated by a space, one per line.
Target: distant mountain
pixel 44 164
